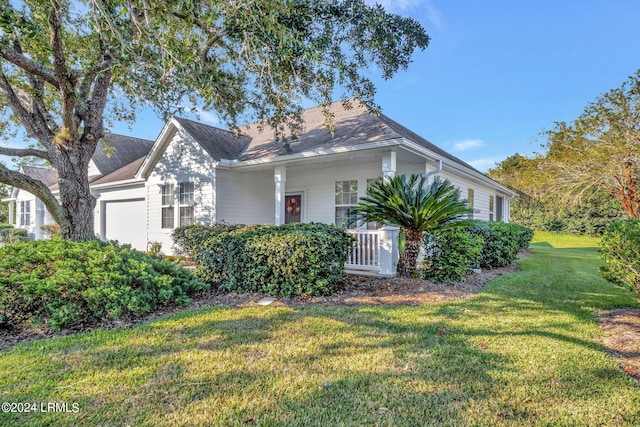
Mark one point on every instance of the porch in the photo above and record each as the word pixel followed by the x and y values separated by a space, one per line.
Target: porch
pixel 374 252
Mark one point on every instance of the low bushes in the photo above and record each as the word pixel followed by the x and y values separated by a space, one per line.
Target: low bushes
pixel 286 260
pixel 451 253
pixel 620 247
pixel 502 241
pixel 62 284
pixel 8 234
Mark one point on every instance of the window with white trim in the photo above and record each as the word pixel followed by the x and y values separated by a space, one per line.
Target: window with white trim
pixel 491 208
pixel 346 197
pixel 470 203
pixel 167 206
pixel 186 202
pixel 25 213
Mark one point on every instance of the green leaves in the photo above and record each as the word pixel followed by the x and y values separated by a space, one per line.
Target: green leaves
pixel 64 284
pixel 412 204
pixel 620 247
pixel 286 260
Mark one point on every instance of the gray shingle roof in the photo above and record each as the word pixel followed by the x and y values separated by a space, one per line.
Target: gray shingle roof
pixel 116 151
pixel 353 127
pixel 218 143
pixel 128 171
pixel 45 175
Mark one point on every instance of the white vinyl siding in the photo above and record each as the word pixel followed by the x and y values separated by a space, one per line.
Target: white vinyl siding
pixel 246 198
pixel 470 201
pixel 188 164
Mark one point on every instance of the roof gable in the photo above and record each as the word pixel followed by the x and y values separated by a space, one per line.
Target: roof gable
pixel 117 151
pixel 218 143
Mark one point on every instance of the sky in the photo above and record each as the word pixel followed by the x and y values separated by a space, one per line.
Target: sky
pixel 497 73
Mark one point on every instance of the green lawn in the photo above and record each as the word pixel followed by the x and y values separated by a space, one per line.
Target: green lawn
pixel 524 352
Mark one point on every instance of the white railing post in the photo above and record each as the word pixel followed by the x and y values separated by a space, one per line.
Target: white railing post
pixel 365 252
pixel 388 250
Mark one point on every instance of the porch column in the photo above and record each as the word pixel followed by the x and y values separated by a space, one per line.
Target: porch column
pixel 388 165
pixel 12 204
pixel 280 178
pixel 388 250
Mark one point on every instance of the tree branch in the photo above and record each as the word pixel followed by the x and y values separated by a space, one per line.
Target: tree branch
pixel 24 152
pixel 16 58
pixel 38 109
pixel 66 78
pixel 36 130
pixel 33 186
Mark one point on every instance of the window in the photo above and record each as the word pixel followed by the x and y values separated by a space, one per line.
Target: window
pixel 186 202
pixel 346 199
pixel 470 201
pixel 167 206
pixel 499 203
pixel 491 208
pixel 25 213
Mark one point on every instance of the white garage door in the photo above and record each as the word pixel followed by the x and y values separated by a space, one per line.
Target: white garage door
pixel 126 222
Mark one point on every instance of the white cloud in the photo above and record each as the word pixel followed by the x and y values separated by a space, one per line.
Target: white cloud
pixel 485 164
pixel 201 115
pixel 468 144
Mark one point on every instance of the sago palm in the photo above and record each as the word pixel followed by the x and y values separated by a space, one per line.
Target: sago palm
pixel 415 207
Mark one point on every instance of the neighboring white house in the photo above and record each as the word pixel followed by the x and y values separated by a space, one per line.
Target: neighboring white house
pixel 195 173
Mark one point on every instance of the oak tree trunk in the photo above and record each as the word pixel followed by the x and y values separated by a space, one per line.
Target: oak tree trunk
pixel 71 161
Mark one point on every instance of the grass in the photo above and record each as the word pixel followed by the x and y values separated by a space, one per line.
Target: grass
pixel 525 351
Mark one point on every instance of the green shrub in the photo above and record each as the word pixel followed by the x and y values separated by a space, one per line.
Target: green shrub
pixel 502 242
pixel 450 254
pixel 525 235
pixel 189 239
pixel 620 246
pixel 8 234
pixel 63 284
pixel 286 260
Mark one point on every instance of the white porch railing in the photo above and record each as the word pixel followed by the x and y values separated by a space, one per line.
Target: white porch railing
pixel 365 253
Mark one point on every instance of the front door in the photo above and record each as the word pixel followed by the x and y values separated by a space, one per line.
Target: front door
pixel 293 208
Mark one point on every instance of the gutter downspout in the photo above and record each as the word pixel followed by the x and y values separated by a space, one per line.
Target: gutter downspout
pixel 438 169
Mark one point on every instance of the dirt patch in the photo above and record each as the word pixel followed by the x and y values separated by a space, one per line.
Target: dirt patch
pixel 621 327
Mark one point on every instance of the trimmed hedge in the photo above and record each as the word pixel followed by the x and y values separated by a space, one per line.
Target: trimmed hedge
pixel 62 284
pixel 620 247
pixel 451 254
pixel 286 260
pixel 502 241
pixel 8 234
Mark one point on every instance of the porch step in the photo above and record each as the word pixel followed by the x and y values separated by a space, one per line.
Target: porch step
pixel 364 273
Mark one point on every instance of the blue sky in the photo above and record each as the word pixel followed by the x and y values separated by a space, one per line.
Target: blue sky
pixel 497 73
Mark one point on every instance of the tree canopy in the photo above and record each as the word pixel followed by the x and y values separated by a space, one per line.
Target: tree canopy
pixel 67 66
pixel 589 173
pixel 600 150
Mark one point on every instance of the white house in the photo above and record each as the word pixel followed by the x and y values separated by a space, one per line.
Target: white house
pixel 195 173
